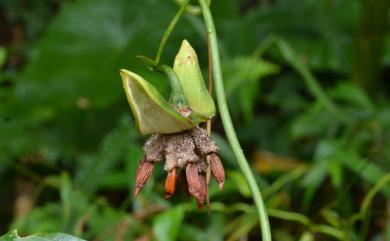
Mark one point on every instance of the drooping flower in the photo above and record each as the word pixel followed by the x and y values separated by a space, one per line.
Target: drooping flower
pixel 176 135
pixel 189 151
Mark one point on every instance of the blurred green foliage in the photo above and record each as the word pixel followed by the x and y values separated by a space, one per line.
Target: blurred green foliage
pixel 69 147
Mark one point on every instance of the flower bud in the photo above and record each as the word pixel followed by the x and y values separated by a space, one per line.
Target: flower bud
pixel 187 69
pixel 197 184
pixel 145 169
pixel 170 183
pixel 217 169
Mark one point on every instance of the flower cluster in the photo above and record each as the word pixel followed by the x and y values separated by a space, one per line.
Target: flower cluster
pixel 191 150
pixel 174 125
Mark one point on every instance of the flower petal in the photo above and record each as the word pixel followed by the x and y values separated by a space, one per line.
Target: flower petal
pixel 170 183
pixel 197 184
pixel 152 112
pixel 187 68
pixel 144 171
pixel 217 169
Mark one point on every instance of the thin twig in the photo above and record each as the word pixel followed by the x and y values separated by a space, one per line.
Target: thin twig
pixel 169 30
pixel 210 87
pixel 209 123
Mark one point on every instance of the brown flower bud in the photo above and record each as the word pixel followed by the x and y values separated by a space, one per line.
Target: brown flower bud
pixel 145 169
pixel 201 198
pixel 217 169
pixel 197 184
pixel 170 183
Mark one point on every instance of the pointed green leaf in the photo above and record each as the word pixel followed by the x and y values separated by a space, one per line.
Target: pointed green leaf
pixel 190 76
pixel 2 56
pixel 152 112
pixel 166 226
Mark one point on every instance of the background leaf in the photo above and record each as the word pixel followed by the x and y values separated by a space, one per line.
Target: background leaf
pixel 317 138
pixel 166 225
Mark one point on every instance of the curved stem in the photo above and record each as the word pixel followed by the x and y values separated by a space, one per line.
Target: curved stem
pixel 169 30
pixel 228 125
pixel 209 123
pixel 302 219
pixel 370 195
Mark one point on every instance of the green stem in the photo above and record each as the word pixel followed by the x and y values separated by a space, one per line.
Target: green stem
pixel 283 180
pixel 228 125
pixel 169 30
pixel 370 195
pixel 191 9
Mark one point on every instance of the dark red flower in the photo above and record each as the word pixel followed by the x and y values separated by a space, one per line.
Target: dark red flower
pixel 144 171
pixel 192 151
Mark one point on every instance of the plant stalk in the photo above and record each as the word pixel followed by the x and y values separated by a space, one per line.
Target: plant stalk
pixel 169 30
pixel 228 125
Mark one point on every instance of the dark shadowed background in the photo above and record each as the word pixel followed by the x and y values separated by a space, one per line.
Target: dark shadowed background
pixel 69 147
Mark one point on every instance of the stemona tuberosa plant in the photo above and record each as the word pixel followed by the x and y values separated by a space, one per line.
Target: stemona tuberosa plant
pixel 174 125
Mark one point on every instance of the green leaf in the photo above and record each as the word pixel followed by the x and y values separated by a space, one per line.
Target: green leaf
pixel 152 112
pixel 243 82
pixel 306 236
pixel 335 170
pixel 2 56
pixel 74 62
pixel 350 93
pixel 314 121
pixel 239 180
pixel 47 218
pixel 65 193
pixel 114 146
pixel 244 227
pixel 325 41
pixel 368 171
pixel 13 236
pixel 241 71
pixel 166 225
pixel 312 182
